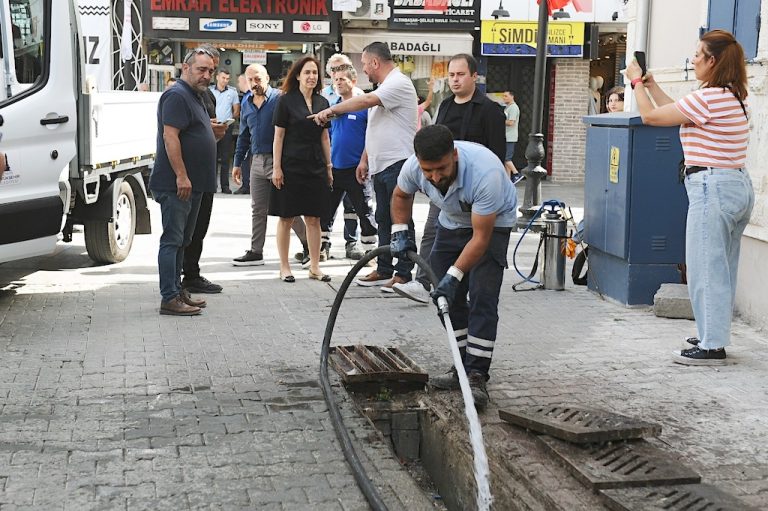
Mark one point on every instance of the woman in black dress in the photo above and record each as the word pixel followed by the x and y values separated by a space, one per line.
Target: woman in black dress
pixel 302 175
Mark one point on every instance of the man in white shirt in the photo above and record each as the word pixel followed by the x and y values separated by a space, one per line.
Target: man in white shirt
pixel 388 143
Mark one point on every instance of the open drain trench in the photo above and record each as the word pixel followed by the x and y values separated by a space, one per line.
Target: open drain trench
pixel 605 452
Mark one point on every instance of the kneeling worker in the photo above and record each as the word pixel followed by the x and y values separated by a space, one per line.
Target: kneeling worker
pixel 477 211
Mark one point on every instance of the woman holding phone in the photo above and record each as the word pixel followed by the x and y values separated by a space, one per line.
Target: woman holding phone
pixel 714 131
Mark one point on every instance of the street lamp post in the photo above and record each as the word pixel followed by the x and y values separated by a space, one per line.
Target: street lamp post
pixel 534 152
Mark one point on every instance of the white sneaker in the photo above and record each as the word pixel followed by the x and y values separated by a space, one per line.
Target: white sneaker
pixel 413 290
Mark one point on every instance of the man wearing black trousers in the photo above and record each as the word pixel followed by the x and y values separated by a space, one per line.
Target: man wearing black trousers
pixel 193 281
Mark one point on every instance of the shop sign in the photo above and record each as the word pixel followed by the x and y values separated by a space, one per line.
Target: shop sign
pixel 240 19
pixel 434 14
pixel 409 43
pixel 311 27
pixel 255 57
pixel 275 26
pixel 181 24
pixel 518 38
pixel 218 25
pixel 588 11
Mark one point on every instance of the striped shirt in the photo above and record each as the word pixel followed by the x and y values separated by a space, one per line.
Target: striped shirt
pixel 718 133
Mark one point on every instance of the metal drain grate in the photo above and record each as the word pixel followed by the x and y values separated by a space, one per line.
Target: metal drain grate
pixel 620 465
pixel 688 497
pixel 580 425
pixel 374 364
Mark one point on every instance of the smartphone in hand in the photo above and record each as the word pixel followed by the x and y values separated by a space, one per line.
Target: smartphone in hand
pixel 228 122
pixel 640 58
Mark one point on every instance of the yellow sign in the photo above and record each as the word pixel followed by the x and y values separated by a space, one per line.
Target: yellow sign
pixel 613 169
pixel 564 39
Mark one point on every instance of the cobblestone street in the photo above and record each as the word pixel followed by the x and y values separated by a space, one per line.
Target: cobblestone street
pixel 108 405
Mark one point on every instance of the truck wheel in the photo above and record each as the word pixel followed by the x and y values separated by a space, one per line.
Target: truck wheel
pixel 110 242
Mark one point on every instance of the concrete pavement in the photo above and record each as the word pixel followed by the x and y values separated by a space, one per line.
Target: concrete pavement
pixel 107 405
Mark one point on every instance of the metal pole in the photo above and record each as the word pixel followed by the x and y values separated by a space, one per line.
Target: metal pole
pixel 534 152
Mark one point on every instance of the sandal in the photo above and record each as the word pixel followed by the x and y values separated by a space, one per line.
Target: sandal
pixel 287 278
pixel 322 277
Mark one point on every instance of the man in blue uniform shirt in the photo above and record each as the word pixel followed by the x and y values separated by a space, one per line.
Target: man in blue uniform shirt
pixel 477 212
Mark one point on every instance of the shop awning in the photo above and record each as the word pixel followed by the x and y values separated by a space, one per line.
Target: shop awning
pixel 407 43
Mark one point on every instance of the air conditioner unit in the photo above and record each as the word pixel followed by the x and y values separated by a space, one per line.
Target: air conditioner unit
pixel 368 10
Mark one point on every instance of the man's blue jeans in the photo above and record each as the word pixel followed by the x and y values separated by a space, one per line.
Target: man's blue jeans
pixel 383 186
pixel 720 203
pixel 179 218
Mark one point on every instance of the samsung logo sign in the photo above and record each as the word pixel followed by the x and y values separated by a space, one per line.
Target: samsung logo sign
pixel 218 25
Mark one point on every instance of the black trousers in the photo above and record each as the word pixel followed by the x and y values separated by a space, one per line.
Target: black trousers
pixel 224 152
pixel 192 252
pixel 345 185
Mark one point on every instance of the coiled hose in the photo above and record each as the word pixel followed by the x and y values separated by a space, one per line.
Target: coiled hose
pixel 358 471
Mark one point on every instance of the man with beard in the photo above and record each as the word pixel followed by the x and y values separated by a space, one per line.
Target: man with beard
pixel 477 212
pixel 184 170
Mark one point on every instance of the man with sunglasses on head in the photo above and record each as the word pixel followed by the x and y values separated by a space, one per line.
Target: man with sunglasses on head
pixel 184 171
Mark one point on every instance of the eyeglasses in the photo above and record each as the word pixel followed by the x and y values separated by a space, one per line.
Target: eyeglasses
pixel 196 51
pixel 341 67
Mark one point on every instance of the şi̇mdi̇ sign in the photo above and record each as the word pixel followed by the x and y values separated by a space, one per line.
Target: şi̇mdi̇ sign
pixel 564 39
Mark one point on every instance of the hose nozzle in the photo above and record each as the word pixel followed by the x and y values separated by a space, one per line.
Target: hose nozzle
pixel 442 305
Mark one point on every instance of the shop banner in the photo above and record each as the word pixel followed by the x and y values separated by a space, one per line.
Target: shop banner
pixel 407 43
pixel 588 11
pixel 242 20
pixel 96 28
pixel 518 38
pixel 434 14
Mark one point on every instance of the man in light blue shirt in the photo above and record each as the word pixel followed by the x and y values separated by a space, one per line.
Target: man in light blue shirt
pixel 227 107
pixel 477 212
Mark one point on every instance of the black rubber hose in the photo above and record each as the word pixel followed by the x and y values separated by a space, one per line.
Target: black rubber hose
pixel 358 471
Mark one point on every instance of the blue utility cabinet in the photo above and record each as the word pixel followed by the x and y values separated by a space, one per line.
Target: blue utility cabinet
pixel 634 207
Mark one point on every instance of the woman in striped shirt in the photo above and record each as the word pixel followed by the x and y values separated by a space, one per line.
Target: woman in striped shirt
pixel 714 131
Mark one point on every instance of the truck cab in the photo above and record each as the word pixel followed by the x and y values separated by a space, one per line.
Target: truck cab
pixel 77 155
pixel 38 124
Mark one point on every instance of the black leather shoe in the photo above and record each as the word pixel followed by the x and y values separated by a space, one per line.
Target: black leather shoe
pixel 200 285
pixel 242 191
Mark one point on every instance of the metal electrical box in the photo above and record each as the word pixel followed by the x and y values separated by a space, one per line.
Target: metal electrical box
pixel 634 207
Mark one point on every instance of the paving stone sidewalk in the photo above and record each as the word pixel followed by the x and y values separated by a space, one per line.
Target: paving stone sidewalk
pixel 107 405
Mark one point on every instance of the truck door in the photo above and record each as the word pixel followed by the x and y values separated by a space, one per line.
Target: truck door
pixel 38 123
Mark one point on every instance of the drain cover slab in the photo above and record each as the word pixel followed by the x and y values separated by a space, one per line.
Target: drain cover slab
pixel 688 497
pixel 361 364
pixel 620 465
pixel 579 425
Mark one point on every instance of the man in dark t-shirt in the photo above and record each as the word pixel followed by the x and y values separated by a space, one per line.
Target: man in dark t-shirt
pixel 184 170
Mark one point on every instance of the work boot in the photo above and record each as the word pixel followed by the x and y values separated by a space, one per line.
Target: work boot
pixel 189 300
pixel 447 381
pixel 176 307
pixel 479 392
pixel 353 251
pixel 325 251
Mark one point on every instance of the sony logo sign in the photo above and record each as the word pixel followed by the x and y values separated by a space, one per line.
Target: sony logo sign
pixel 264 26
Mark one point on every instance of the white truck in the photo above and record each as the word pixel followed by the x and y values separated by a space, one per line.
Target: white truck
pixel 76 155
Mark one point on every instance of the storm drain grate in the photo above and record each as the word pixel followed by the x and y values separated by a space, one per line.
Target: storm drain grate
pixel 374 364
pixel 621 464
pixel 689 497
pixel 580 425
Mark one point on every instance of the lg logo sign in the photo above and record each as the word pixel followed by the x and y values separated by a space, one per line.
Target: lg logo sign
pixel 311 27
